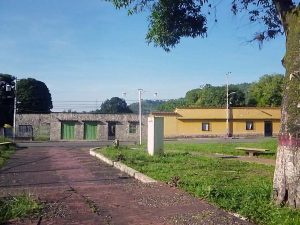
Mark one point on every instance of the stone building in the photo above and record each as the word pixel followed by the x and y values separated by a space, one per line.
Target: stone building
pixel 80 126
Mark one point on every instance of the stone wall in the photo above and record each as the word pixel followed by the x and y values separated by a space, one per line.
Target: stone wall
pixel 40 123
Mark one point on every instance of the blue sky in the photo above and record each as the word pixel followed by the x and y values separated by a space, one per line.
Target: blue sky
pixel 88 51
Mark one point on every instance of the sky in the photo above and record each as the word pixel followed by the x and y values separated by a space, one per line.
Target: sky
pixel 87 52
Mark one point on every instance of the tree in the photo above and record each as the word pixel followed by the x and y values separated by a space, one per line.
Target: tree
pixel 215 96
pixel 170 20
pixel 148 106
pixel 268 90
pixel 6 99
pixel 172 104
pixel 114 105
pixel 33 96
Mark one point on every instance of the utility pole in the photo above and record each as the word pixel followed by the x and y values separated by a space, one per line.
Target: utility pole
pixel 227 105
pixel 15 110
pixel 140 114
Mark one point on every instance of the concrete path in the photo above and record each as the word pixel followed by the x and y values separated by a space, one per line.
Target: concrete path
pixel 79 189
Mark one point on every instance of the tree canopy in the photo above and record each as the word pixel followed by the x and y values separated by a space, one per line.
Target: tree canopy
pixel 170 20
pixel 172 104
pixel 148 106
pixel 268 91
pixel 114 105
pixel 33 96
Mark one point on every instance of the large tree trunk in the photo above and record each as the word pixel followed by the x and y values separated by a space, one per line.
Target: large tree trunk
pixel 287 172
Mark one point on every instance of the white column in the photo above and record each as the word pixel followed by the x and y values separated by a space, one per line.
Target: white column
pixel 140 114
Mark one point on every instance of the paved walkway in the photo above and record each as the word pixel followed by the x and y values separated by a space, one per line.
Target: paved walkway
pixel 79 189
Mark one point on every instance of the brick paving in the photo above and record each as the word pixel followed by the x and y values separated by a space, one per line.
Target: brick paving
pixel 79 189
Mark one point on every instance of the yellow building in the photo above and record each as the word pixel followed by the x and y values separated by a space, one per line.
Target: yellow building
pixel 212 122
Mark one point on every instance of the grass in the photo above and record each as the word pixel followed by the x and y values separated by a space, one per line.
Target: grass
pixel 236 186
pixel 42 138
pixel 227 148
pixel 5 151
pixel 13 207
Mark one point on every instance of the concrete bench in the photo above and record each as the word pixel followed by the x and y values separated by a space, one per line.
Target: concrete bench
pixel 7 143
pixel 253 151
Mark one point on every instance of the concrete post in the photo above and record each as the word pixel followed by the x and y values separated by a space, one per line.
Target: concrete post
pixel 155 135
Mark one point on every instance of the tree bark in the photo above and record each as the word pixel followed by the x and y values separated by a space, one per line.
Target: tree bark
pixel 286 181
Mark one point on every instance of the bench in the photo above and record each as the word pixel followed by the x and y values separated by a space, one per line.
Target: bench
pixel 253 151
pixel 7 143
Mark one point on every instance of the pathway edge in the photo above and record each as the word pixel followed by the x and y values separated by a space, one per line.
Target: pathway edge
pixel 124 168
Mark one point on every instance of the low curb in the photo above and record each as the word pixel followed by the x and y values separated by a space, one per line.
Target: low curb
pixel 126 169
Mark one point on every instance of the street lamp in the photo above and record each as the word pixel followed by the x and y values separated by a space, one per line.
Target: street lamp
pixel 140 91
pixel 140 114
pixel 227 104
pixel 10 88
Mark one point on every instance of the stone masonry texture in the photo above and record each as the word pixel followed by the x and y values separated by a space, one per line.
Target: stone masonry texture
pixel 52 122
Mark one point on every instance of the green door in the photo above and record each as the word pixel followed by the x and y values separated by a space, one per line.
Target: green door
pixel 68 130
pixel 90 130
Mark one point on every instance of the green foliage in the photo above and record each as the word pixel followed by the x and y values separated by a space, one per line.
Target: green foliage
pixel 268 91
pixel 5 150
pixel 171 20
pixel 236 186
pixel 42 138
pixel 12 207
pixel 114 105
pixel 33 96
pixel 171 105
pixel 148 106
pixel 6 99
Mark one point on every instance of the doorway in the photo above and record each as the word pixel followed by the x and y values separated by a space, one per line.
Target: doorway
pixel 68 130
pixel 111 130
pixel 268 129
pixel 90 130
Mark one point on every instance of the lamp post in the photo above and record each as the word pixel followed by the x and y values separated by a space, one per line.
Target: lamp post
pixel 140 114
pixel 9 88
pixel 227 104
pixel 140 91
pixel 15 111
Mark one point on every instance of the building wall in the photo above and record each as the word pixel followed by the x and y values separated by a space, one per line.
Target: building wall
pixel 239 128
pixel 54 120
pixel 187 122
pixel 170 130
pixel 193 127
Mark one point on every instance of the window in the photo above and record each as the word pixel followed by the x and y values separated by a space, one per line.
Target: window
pixel 25 128
pixel 132 128
pixel 249 125
pixel 205 126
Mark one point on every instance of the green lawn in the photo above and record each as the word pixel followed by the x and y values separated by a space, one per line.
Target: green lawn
pixel 12 207
pixel 5 151
pixel 236 186
pixel 223 148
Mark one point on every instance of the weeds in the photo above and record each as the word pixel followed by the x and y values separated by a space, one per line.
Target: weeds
pixel 236 186
pixel 12 207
